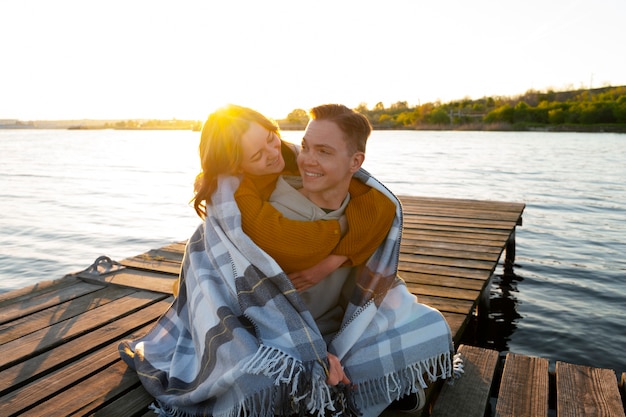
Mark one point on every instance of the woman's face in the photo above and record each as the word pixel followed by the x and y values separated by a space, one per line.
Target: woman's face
pixel 261 151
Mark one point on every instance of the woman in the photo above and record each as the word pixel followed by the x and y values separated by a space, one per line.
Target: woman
pixel 237 140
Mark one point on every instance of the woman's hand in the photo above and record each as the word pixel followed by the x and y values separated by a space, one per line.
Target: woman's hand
pixel 303 280
pixel 335 371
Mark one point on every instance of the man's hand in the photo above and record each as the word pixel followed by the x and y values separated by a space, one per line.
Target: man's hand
pixel 335 371
pixel 303 280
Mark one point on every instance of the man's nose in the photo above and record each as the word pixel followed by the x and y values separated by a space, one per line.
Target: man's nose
pixel 309 158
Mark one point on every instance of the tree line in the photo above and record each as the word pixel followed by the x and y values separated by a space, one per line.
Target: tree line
pixel 602 109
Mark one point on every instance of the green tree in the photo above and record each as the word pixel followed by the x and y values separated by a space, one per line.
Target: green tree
pixel 385 121
pixel 362 108
pixel 439 117
pixel 504 113
pixel 619 110
pixel 556 116
pixel 597 112
pixel 407 118
pixel 298 116
pixel 521 112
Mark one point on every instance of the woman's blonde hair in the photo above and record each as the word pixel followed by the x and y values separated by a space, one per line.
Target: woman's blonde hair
pixel 221 150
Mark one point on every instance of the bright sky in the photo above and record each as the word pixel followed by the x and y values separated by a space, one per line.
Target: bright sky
pixel 74 59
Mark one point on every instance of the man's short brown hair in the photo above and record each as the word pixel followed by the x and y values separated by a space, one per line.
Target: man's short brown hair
pixel 354 125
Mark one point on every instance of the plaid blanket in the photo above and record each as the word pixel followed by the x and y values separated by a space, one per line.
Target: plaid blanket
pixel 238 340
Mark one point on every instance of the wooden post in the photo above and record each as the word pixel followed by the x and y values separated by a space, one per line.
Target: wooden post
pixel 509 256
pixel 622 389
pixel 482 310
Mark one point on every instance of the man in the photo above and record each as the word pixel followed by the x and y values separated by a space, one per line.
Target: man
pixel 328 159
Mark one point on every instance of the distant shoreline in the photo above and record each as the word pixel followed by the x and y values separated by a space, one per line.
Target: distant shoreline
pixel 598 110
pixel 500 127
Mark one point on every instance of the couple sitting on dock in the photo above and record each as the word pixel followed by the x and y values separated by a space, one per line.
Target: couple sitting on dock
pixel 289 300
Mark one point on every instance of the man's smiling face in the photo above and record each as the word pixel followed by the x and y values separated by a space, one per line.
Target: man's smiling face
pixel 326 164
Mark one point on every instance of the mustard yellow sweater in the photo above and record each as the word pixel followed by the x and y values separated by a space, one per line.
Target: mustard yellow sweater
pixel 298 245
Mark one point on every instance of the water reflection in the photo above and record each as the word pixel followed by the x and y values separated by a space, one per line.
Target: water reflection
pixel 493 327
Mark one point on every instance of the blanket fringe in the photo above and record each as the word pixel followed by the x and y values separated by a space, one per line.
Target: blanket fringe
pixel 458 368
pixel 397 384
pixel 303 385
pixel 261 404
pixel 301 391
pixel 275 364
pixel 309 388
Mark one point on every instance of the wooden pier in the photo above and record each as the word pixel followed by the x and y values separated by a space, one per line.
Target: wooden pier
pixel 58 339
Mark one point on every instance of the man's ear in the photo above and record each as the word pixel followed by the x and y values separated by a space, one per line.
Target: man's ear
pixel 357 161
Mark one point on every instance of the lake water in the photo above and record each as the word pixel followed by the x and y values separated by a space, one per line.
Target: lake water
pixel 67 197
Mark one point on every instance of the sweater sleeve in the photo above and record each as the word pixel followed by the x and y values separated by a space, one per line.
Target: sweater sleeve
pixel 370 215
pixel 294 245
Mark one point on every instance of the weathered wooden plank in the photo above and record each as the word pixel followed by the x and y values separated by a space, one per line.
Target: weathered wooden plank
pixel 449 271
pixel 443 261
pixel 461 222
pixel 91 394
pixel 461 210
pixel 131 403
pixel 469 395
pixel 21 294
pixel 60 312
pixel 63 331
pixel 37 302
pixel 136 278
pixel 17 401
pixel 485 219
pixel 585 391
pixel 445 292
pixel 480 207
pixel 439 202
pixel 447 304
pixel 457 323
pixel 152 265
pixel 125 327
pixel 59 380
pixel 470 234
pixel 443 281
pixel 162 254
pixel 410 243
pixel 467 227
pixel 524 387
pixel 465 238
pixel 439 252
